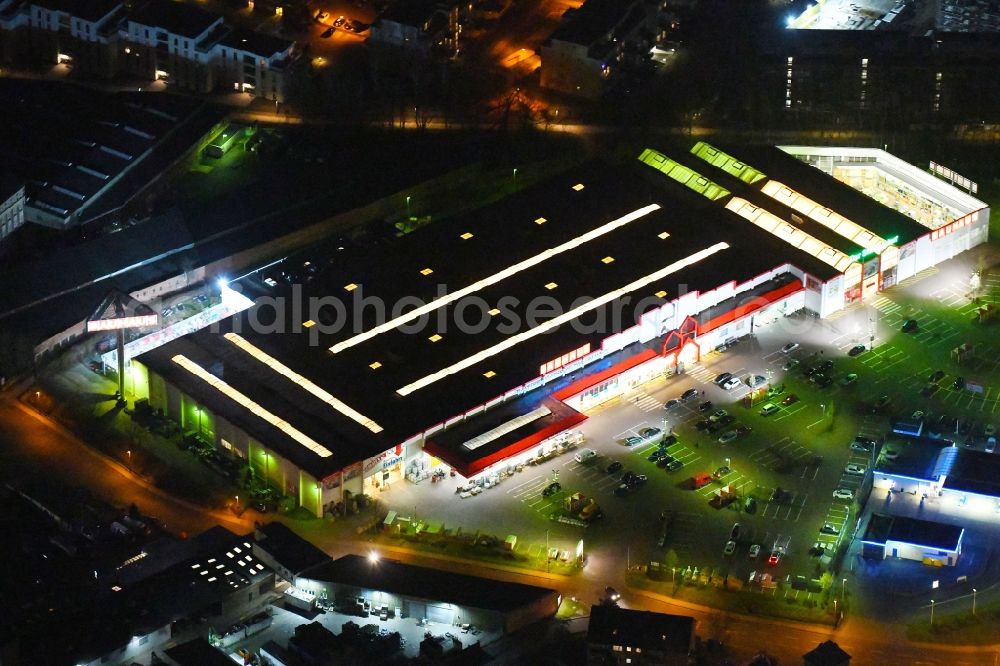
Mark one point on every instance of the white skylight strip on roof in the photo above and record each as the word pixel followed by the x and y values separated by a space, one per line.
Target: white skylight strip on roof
pixel 789 233
pixel 828 218
pixel 305 383
pixel 251 406
pixel 495 278
pixel 508 427
pixel 566 317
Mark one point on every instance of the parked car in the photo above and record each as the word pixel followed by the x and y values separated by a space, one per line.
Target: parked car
pixel 722 378
pixel 959 383
pixel 326 33
pixel 774 559
pixel 790 399
pixel 664 460
pixel 929 390
pixel 769 409
pixel 551 489
pixel 860 447
pixel 823 381
pixel 703 424
pixel 753 381
pixel 880 404
pixel 728 437
pixel 636 481
pixel 705 406
pixel 825 366
pixel 734 533
pixel 690 394
pixel 990 430
pixel 829 528
pixel 730 547
pixel 730 383
pixel 339 22
pixel 632 440
pixel 649 433
pixel 936 376
pixel 775 390
pixel 674 465
pixel 790 347
pixel 991 444
pixel 909 326
pixel 668 440
pixel 585 455
pixel 611 594
pixel 656 455
pixel 790 364
pixel 743 430
pixel 849 379
pixel 717 414
pixel 670 404
pixel 843 494
pixel 856 350
pixel 856 470
pixel 613 467
pixel 750 505
pixel 754 551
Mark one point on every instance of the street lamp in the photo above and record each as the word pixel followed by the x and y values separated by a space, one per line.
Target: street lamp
pixel 515 176
pixel 973 601
pixel 843 586
pixel 932 612
pixel 129 452
pixel 198 411
pixel 407 207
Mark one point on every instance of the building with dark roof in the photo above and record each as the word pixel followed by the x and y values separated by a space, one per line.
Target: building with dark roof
pixel 420 26
pixel 163 19
pixel 912 539
pixel 12 197
pixel 437 595
pixel 195 652
pixel 83 152
pixel 826 653
pixel 286 552
pixel 346 397
pixel 593 41
pixel 623 636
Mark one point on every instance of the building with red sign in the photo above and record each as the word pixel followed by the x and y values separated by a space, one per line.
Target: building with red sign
pixel 477 342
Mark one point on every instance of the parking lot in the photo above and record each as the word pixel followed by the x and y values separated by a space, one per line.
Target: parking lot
pixel 786 482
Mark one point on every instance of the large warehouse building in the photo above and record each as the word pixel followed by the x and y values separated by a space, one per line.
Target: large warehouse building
pixel 476 341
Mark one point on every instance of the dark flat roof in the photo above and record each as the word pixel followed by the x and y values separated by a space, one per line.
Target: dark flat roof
pixel 975 472
pixel 611 625
pixel 919 457
pixel 830 192
pixel 827 653
pixel 882 528
pixel 256 42
pixel 410 580
pixel 88 10
pixel 179 18
pixel 410 12
pixel 198 652
pixel 288 548
pixel 592 22
pixel 502 235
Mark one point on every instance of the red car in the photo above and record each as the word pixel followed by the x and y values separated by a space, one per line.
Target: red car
pixel 790 399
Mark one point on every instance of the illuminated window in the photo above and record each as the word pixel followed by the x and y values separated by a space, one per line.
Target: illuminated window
pixel 551 285
pixel 427 271
pixel 489 374
pixel 308 324
pixel 375 366
pixel 607 260
pixel 663 235
pixel 494 312
pixel 578 187
pixel 661 294
pixel 350 287
pixel 466 236
pixel 434 338
pixel 541 220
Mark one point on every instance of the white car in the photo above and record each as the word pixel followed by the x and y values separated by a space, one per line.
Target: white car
pixel 730 547
pixel 754 551
pixel 854 469
pixel 991 444
pixel 790 347
pixel 843 494
pixel 717 415
pixel 731 383
pixel 584 455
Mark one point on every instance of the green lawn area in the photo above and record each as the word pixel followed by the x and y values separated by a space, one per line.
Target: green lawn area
pixel 960 628
pixel 569 608
pixel 740 601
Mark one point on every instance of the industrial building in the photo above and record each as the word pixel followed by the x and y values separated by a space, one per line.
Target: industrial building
pixel 443 597
pixel 964 480
pixel 554 300
pixel 924 541
pixel 622 636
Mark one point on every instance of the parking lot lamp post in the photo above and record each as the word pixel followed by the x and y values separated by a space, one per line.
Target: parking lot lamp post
pixel 407 207
pixel 547 558
pixel 932 612
pixel 973 601
pixel 515 177
pixel 198 411
pixel 823 407
pixel 843 587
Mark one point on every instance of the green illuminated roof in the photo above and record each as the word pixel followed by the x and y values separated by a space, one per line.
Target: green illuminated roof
pixel 683 175
pixel 727 163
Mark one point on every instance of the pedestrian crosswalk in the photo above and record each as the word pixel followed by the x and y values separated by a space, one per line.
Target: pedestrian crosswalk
pixel 885 305
pixel 646 402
